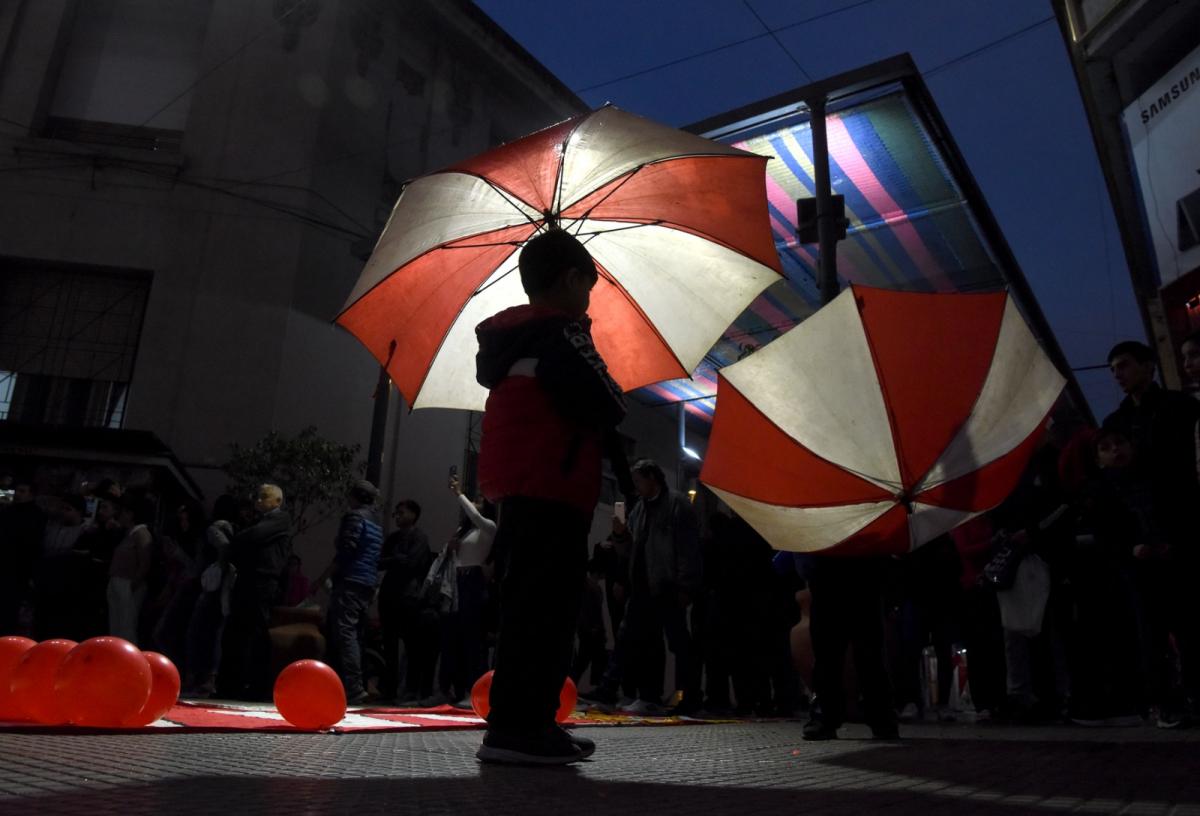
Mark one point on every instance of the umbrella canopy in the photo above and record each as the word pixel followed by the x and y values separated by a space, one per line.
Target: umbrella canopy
pixel 677 224
pixel 881 422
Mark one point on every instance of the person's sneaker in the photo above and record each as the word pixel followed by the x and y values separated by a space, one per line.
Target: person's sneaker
pixel 434 701
pixel 909 712
pixel 1169 718
pixel 464 704
pixel 554 747
pixel 586 746
pixel 644 708
pixel 817 730
pixel 356 699
pixel 946 715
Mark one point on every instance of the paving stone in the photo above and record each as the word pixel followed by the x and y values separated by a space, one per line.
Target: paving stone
pixel 759 768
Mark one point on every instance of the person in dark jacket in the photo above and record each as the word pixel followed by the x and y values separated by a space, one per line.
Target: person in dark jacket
pixel 847 609
pixel 666 573
pixel 551 407
pixel 1037 519
pixel 403 613
pixel 1106 680
pixel 259 553
pixel 1162 425
pixel 355 572
pixel 22 524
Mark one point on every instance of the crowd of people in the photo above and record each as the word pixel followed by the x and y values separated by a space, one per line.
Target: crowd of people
pixel 108 561
pixel 1072 600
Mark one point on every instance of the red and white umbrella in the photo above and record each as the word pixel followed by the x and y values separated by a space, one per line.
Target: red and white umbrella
pixel 881 422
pixel 677 224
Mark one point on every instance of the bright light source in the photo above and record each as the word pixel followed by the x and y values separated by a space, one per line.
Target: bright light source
pixel 692 496
pixel 689 452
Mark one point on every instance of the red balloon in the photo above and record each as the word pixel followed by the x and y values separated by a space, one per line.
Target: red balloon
pixel 164 690
pixel 481 694
pixel 12 649
pixel 567 698
pixel 103 682
pixel 32 683
pixel 310 695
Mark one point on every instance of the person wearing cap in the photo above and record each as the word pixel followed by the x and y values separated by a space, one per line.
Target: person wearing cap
pixel 355 572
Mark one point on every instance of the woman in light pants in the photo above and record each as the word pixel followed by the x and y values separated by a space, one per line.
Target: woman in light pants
pixel 130 565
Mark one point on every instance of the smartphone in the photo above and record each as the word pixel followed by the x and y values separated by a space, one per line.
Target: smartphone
pixel 453 475
pixel 619 511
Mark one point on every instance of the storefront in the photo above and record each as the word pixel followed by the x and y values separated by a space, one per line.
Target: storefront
pixel 1138 66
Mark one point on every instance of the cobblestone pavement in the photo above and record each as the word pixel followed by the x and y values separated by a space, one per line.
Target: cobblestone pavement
pixel 761 768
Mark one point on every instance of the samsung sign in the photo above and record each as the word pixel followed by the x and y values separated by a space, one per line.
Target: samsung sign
pixel 1163 126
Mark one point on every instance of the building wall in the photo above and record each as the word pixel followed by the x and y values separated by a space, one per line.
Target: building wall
pixel 325 114
pixel 296 138
pixel 1118 50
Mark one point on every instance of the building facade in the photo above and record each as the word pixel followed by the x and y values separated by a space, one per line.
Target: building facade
pixel 1138 67
pixel 188 190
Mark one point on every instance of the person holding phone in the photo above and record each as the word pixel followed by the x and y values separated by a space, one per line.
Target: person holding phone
pixel 550 415
pixel 464 640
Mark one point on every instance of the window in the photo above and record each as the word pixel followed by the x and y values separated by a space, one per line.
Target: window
pixel 124 64
pixel 68 338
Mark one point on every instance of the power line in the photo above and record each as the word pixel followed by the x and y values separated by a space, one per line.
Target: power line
pixel 296 4
pixel 770 32
pixel 987 46
pixel 298 214
pixel 308 217
pixel 778 41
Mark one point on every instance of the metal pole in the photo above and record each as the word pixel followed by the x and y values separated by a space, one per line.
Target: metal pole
pixel 826 229
pixel 383 394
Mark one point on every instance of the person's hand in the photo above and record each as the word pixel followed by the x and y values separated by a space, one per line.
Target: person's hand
pixel 455 486
pixel 1141 552
pixel 619 527
pixel 606 544
pixel 453 545
pixel 618 593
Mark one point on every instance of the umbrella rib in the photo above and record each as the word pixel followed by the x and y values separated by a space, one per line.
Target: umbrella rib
pixel 508 198
pixel 480 246
pixel 556 199
pixel 611 192
pixel 489 285
pixel 594 233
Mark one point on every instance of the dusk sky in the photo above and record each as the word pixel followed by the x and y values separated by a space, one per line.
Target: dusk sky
pixel 998 71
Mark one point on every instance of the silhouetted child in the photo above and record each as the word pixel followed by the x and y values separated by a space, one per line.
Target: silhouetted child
pixel 551 408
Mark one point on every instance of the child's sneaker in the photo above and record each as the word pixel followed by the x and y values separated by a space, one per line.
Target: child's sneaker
pixel 554 747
